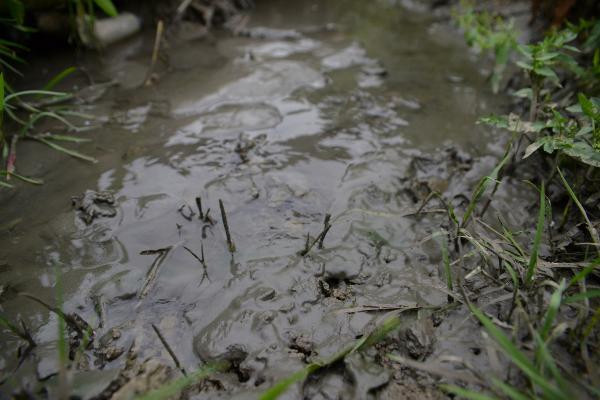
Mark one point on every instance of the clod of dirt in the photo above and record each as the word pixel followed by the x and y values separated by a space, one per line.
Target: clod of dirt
pixel 418 340
pixel 335 288
pixel 302 346
pixel 94 204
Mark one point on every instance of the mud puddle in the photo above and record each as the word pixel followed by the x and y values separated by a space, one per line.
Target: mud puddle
pixel 349 108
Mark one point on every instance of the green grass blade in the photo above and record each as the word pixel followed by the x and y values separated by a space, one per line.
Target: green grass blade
pixel 510 391
pixel 513 275
pixel 381 331
pixel 481 188
pixel 590 226
pixel 33 92
pixel 173 388
pixel 533 259
pixel 388 325
pixel 59 78
pixel 63 347
pixel 441 239
pixel 547 361
pixel 65 138
pixel 283 385
pixel 584 272
pixel 590 294
pixel 552 310
pixel 8 66
pixel 1 94
pixel 6 185
pixel 37 116
pixel 10 326
pixel 70 152
pixel 1 108
pixel 516 356
pixel 27 179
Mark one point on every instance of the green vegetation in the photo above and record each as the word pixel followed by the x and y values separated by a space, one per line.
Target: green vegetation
pixel 562 75
pixel 562 124
pixel 21 111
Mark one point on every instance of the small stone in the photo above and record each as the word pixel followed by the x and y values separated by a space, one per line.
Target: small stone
pixel 112 353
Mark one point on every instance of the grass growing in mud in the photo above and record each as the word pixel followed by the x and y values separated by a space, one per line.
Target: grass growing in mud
pixel 22 111
pixel 534 328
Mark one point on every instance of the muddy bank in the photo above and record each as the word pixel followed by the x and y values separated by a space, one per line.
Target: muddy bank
pixel 344 108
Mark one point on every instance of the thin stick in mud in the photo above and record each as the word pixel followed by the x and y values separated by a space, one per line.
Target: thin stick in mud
pixel 319 239
pixel 226 225
pixel 169 350
pixel 326 227
pixel 157 40
pixel 199 205
pixel 153 271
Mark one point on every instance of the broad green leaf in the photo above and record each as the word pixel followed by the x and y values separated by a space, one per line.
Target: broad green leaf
pixel 525 65
pixel 534 146
pixel 525 92
pixel 587 106
pixel 583 152
pixel 107 6
pixel 548 56
pixel 548 73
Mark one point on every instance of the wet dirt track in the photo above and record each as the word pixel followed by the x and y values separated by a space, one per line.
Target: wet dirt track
pixel 340 107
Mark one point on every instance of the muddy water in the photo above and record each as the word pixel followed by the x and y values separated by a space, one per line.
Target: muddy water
pixel 351 108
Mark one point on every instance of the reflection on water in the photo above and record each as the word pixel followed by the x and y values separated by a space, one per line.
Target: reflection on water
pixel 340 116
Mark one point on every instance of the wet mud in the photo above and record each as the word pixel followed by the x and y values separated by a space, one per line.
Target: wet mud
pixel 352 109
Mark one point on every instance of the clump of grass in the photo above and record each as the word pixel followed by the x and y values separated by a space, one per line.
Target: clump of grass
pixel 21 111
